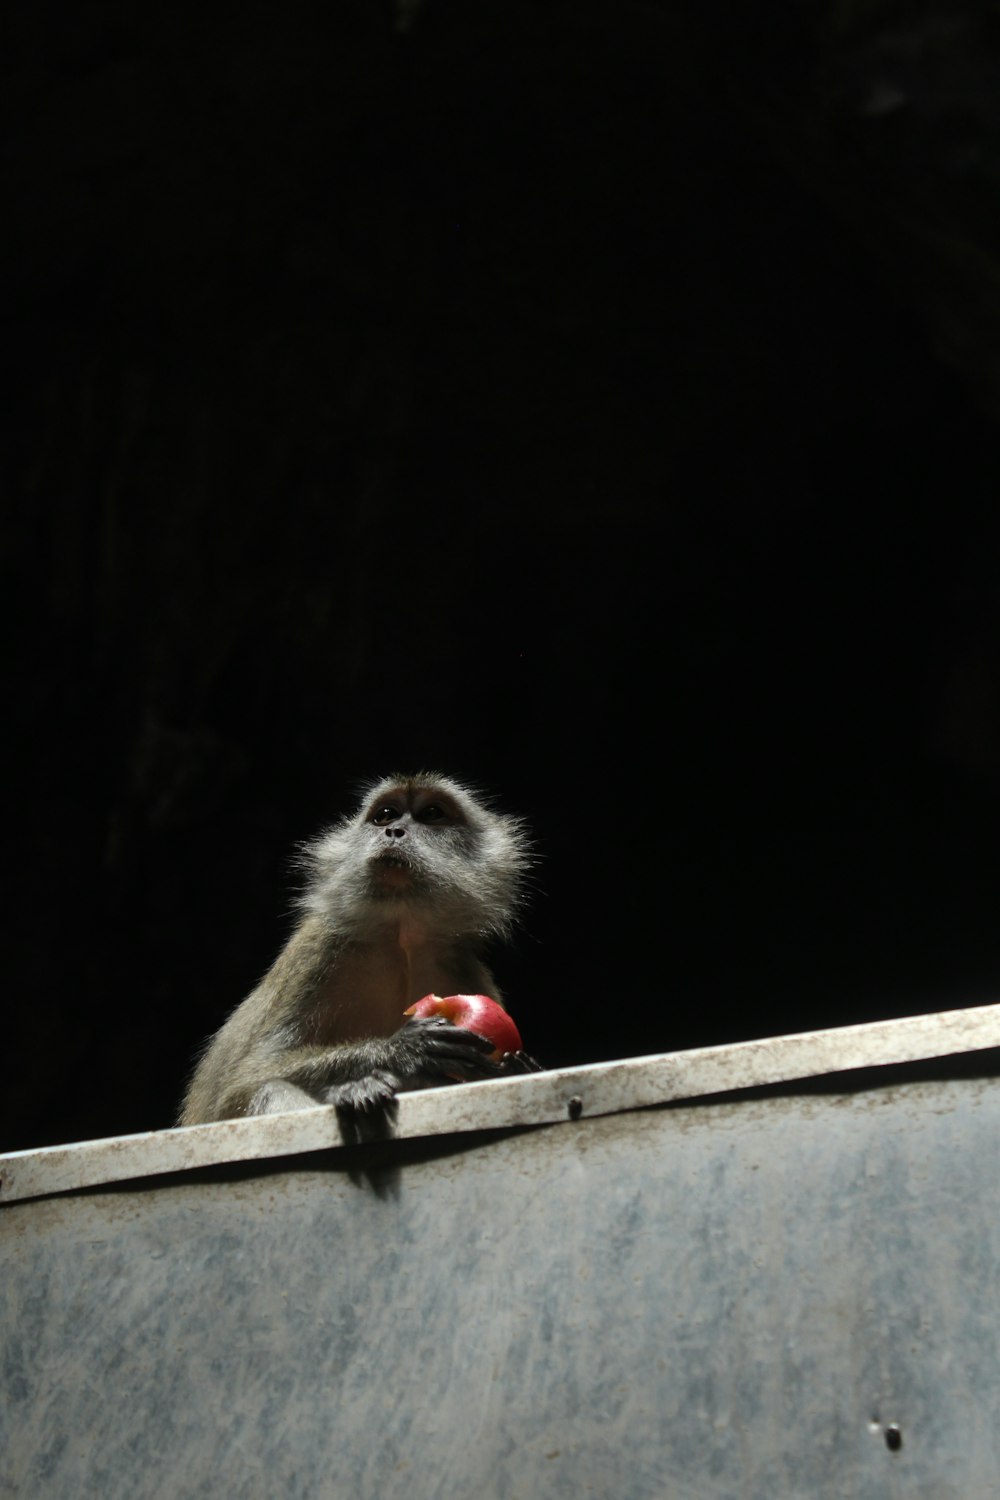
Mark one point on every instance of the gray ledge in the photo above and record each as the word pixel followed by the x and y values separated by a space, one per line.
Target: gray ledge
pixel 562 1095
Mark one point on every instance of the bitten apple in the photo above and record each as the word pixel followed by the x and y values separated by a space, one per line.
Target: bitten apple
pixel 476 1013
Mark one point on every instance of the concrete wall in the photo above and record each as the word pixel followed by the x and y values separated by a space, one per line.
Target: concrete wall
pixel 767 1297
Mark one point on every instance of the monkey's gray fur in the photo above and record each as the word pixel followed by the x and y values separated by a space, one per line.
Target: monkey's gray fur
pixel 394 909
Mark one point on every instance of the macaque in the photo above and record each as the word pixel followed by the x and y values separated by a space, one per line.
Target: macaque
pixel 398 903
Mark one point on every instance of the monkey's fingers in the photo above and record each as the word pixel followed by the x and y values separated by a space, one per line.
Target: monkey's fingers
pixel 437 1025
pixel 519 1062
pixel 465 1048
pixel 376 1091
pixel 436 1036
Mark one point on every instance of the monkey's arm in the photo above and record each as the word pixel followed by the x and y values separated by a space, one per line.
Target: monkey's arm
pixel 368 1074
pixel 361 1075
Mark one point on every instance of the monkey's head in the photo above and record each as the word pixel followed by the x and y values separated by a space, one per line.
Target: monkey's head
pixel 422 846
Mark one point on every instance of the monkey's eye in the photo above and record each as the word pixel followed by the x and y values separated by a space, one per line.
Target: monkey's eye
pixel 431 814
pixel 385 814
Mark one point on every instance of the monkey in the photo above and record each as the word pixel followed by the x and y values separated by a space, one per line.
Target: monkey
pixel 399 901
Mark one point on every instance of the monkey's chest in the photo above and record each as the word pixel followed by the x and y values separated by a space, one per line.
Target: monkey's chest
pixel 368 991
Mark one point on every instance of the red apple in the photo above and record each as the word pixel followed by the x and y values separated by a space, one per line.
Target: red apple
pixel 476 1013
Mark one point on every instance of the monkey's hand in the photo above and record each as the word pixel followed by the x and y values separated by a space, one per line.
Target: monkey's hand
pixel 423 1053
pixel 436 1050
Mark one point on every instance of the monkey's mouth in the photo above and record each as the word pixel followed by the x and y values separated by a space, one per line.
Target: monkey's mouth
pixel 391 870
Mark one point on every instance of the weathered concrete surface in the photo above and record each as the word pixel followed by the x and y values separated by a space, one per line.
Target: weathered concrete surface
pixel 721 1300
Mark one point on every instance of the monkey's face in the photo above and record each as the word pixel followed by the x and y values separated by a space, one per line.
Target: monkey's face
pixel 425 843
pixel 415 839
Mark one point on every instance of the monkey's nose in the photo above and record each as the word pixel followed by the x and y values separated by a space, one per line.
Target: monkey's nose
pixel 395 833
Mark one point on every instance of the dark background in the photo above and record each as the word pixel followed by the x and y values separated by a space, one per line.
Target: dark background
pixel 595 401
